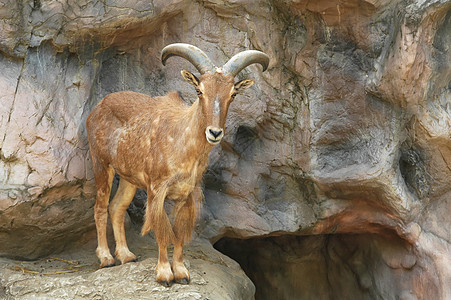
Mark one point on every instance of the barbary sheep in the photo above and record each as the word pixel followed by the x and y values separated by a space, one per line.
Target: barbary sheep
pixel 161 144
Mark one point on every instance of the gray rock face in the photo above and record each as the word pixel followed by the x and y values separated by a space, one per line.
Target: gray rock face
pixel 348 132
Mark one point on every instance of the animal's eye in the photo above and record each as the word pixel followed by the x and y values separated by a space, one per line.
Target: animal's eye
pixel 198 92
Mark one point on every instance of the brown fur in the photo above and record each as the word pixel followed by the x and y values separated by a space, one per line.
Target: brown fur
pixel 158 144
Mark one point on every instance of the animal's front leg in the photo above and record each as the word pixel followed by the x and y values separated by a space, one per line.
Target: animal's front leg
pixel 163 270
pixel 181 273
pixel 157 220
pixel 183 228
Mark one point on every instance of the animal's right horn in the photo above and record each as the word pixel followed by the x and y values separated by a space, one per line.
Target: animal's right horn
pixel 243 59
pixel 191 53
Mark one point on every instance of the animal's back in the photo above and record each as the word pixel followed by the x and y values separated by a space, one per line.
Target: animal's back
pixel 124 121
pixel 119 110
pixel 127 105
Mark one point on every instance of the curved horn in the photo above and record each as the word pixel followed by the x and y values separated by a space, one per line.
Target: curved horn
pixel 243 59
pixel 191 53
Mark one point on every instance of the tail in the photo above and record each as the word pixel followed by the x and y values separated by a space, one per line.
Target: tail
pixel 156 218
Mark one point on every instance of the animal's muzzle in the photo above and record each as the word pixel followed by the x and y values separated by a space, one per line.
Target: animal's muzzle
pixel 214 134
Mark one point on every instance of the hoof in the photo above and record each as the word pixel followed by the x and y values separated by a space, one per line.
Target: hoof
pixel 106 260
pixel 125 256
pixel 166 283
pixel 164 274
pixel 182 281
pixel 106 263
pixel 129 260
pixel 181 274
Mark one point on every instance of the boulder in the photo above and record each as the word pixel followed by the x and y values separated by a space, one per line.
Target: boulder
pixel 76 275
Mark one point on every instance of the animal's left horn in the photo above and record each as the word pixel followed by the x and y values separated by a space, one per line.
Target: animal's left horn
pixel 191 53
pixel 243 59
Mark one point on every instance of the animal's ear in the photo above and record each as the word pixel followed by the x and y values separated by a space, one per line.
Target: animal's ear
pixel 190 78
pixel 243 84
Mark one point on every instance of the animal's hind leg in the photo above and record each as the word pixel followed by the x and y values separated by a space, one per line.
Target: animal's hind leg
pixel 183 228
pixel 104 179
pixel 118 206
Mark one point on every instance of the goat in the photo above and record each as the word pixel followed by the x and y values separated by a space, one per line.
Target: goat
pixel 161 144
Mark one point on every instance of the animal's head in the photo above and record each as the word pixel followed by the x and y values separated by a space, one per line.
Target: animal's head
pixel 216 87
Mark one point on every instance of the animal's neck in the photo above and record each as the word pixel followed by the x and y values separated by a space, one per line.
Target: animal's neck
pixel 198 125
pixel 190 153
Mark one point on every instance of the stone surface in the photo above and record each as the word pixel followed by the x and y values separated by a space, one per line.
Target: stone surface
pixel 348 132
pixel 75 275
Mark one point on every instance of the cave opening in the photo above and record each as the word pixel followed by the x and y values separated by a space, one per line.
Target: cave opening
pixel 337 266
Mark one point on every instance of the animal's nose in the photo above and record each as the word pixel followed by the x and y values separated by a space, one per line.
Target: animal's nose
pixel 215 133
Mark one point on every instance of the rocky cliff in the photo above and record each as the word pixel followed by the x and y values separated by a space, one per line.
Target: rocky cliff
pixel 340 154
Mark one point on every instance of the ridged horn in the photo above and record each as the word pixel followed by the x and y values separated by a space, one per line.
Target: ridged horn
pixel 243 59
pixel 191 53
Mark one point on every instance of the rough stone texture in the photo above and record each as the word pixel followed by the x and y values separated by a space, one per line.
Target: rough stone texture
pixel 75 275
pixel 348 132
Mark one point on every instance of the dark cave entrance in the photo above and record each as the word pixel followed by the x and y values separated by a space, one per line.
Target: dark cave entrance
pixel 339 266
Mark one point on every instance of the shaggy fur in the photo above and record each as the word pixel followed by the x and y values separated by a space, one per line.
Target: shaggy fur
pixel 159 144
